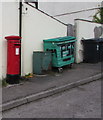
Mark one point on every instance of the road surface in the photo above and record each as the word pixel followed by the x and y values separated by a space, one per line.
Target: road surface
pixel 80 102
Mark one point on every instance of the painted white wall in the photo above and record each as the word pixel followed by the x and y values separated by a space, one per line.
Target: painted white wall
pixel 84 30
pixel 0 40
pixel 10 23
pixel 0 57
pixel 36 27
pixel 56 8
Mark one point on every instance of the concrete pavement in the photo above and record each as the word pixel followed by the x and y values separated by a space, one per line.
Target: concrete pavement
pixel 43 86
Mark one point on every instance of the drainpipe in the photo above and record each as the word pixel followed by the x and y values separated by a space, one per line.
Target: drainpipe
pixel 20 18
pixel 20 27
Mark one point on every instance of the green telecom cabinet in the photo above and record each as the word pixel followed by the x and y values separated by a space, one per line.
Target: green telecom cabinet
pixel 62 50
pixel 41 62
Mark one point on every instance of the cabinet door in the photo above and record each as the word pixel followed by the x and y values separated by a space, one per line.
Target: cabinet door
pixel 46 61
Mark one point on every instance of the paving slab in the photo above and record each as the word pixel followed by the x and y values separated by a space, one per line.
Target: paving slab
pixel 50 81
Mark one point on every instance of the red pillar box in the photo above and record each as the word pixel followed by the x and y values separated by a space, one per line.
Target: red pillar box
pixel 13 59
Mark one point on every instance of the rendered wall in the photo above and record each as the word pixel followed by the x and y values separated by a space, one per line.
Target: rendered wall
pixel 57 8
pixel 0 40
pixel 84 30
pixel 36 27
pixel 10 23
pixel 0 58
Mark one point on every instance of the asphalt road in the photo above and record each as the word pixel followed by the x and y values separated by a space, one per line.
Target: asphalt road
pixel 81 102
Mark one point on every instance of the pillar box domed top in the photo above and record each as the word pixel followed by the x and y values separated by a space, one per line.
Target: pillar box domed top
pixel 13 37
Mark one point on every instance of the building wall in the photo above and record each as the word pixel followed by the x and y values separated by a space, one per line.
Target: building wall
pixel 36 27
pixel 10 23
pixel 56 8
pixel 85 30
pixel 0 41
